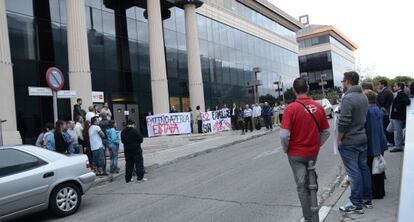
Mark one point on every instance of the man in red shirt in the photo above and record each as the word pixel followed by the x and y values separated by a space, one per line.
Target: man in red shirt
pixel 304 130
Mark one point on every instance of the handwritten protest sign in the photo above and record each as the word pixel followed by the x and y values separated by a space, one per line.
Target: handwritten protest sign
pixel 169 124
pixel 216 121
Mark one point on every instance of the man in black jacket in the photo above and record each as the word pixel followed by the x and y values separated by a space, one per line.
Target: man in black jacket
pixel 384 101
pixel 399 114
pixel 234 113
pixel 133 153
pixel 77 109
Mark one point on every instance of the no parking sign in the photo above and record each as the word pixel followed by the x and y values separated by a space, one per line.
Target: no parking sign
pixel 55 79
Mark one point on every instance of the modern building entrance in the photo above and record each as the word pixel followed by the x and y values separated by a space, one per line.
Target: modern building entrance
pixel 124 112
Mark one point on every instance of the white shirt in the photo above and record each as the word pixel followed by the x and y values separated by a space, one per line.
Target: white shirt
pixel 94 137
pixel 257 111
pixel 78 130
pixel 89 116
pixel 72 133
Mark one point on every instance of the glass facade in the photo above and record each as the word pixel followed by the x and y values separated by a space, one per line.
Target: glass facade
pixel 340 65
pixel 330 63
pixel 314 41
pixel 119 59
pixel 255 17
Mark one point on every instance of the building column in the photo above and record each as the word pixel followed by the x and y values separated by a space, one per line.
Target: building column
pixel 78 53
pixel 159 81
pixel 10 134
pixel 195 78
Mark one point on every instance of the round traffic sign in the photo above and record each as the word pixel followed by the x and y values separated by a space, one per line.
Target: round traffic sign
pixel 54 79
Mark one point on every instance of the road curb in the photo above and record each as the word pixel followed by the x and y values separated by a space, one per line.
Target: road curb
pixel 112 177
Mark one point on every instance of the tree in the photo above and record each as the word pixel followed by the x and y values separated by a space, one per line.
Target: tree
pixel 405 79
pixel 376 80
pixel 289 95
pixel 268 98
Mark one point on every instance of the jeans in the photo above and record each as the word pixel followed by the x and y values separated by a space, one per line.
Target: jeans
pixel 354 158
pixel 299 167
pixel 398 133
pixel 113 150
pixel 98 158
pixel 268 122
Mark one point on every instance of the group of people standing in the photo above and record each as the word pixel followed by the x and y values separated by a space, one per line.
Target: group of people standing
pixel 362 124
pixel 249 117
pixel 94 133
pixel 366 120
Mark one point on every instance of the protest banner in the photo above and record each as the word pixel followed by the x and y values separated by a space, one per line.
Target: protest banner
pixel 169 124
pixel 216 121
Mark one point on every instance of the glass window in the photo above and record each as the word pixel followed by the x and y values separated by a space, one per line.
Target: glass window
pixel 22 37
pixel 170 38
pixel 54 10
pixel 94 20
pixel 24 7
pixel 94 3
pixel 130 13
pixel 142 31
pixel 108 22
pixel 13 161
pixel 132 29
pixel 180 21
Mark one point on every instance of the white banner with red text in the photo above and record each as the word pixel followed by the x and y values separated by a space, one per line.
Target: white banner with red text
pixel 169 124
pixel 216 121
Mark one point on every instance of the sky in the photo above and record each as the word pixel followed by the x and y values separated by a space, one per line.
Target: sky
pixel 383 30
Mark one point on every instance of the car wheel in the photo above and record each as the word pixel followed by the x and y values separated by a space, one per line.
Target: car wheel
pixel 65 200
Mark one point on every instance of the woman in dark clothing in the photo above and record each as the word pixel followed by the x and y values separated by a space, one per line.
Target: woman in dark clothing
pixel 85 144
pixel 133 153
pixel 377 142
pixel 60 143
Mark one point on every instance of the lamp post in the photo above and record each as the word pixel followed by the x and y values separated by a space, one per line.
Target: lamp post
pixel 279 88
pixel 255 83
pixel 323 83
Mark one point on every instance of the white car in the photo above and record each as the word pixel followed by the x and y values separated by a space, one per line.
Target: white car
pixel 33 179
pixel 328 107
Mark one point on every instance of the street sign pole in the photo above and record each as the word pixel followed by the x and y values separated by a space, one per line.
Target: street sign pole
pixel 1 131
pixel 55 80
pixel 323 83
pixel 55 107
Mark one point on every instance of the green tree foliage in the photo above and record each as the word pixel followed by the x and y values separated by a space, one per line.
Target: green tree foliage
pixel 268 98
pixel 405 79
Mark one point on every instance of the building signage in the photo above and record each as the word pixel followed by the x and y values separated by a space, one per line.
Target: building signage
pixel 169 124
pixel 98 97
pixel 216 121
pixel 66 94
pixel 39 91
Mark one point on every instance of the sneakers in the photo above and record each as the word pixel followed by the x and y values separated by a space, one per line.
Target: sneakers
pixel 142 180
pixel 368 204
pixel 350 208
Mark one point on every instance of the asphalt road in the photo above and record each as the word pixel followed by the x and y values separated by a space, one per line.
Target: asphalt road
pixel 251 181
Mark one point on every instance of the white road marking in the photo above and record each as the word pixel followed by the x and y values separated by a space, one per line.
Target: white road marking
pixel 267 153
pixel 323 213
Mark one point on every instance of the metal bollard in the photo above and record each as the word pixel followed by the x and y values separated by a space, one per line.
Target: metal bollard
pixel 1 131
pixel 313 188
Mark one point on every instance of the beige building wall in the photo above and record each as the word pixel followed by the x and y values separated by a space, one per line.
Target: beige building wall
pixel 10 135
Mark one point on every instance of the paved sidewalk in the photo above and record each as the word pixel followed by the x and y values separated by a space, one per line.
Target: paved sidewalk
pixel 168 149
pixel 384 210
